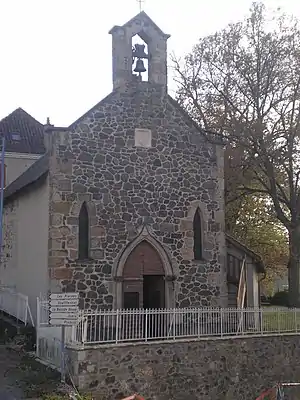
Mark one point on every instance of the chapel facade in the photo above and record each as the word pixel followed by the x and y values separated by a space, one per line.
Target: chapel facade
pixel 136 198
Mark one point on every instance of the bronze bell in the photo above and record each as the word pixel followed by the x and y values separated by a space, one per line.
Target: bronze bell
pixel 139 51
pixel 139 66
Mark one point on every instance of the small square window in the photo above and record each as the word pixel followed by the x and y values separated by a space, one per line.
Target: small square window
pixel 143 138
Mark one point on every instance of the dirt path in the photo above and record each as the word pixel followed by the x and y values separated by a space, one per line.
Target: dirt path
pixel 9 385
pixel 22 377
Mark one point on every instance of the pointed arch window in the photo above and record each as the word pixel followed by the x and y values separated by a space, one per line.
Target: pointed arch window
pixel 83 239
pixel 197 227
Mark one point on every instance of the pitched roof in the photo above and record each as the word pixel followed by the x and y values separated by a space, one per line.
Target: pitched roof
pixel 257 259
pixel 34 173
pixel 87 113
pixel 142 16
pixel 30 131
pixel 214 138
pixel 210 136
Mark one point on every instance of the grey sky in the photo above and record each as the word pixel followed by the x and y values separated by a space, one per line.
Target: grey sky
pixel 56 54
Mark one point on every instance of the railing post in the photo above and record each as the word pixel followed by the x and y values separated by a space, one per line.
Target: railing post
pixel 146 324
pixel 17 308
pixel 243 315
pixel 198 325
pixel 261 321
pixel 295 315
pixel 37 345
pixel 174 329
pixel 25 313
pixel 117 325
pixel 221 321
pixel 84 328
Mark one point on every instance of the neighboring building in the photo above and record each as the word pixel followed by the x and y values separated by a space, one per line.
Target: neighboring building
pixel 24 142
pixel 127 205
pixel 236 254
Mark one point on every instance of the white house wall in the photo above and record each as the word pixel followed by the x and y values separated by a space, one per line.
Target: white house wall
pixel 25 237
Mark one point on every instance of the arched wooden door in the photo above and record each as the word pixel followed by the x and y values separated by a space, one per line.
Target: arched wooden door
pixel 143 278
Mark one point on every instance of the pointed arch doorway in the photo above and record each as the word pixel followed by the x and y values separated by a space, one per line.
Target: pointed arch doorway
pixel 143 276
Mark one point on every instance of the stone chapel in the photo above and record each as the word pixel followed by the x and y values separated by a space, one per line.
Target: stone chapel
pixel 130 198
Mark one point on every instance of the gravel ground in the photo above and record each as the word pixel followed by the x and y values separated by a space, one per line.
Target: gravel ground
pixel 22 377
pixel 9 380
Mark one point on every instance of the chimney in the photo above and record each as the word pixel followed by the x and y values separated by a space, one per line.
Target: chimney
pixel 48 128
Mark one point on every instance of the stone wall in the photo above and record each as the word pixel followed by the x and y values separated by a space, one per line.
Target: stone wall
pixel 210 369
pixel 126 187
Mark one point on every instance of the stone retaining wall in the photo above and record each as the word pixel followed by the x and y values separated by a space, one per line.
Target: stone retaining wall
pixel 208 369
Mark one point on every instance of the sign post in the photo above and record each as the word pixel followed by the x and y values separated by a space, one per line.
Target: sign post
pixel 62 357
pixel 63 311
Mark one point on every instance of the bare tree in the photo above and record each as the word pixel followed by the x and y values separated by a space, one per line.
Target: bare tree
pixel 243 83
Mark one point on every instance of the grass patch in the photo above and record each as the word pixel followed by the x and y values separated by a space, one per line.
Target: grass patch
pixel 285 320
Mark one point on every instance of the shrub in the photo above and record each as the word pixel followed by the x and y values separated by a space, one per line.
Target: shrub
pixel 280 299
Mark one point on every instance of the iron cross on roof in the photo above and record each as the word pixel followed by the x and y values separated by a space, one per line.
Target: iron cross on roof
pixel 140 4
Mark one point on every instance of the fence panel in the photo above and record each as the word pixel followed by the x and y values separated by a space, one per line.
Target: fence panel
pixel 120 326
pixel 117 326
pixel 15 304
pixel 48 338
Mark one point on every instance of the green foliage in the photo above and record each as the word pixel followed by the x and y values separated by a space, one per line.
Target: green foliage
pixel 242 85
pixel 258 228
pixel 63 397
pixel 280 299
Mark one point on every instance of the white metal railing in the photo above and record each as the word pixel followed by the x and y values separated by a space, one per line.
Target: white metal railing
pixel 15 304
pixel 49 350
pixel 48 338
pixel 119 326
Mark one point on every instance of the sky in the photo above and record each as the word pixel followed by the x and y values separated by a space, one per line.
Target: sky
pixel 56 54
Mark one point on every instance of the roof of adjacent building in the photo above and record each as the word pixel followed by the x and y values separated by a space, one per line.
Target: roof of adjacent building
pixel 256 258
pixel 34 174
pixel 23 133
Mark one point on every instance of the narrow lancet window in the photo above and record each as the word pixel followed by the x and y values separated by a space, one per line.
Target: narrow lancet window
pixel 83 239
pixel 198 251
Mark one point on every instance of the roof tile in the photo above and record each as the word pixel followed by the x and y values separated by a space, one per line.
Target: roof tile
pixel 31 133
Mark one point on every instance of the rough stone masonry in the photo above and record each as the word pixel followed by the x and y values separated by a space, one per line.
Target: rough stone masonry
pixel 219 369
pixel 127 187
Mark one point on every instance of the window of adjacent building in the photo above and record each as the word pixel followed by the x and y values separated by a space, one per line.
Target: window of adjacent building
pixel 83 239
pixel 197 227
pixel 234 265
